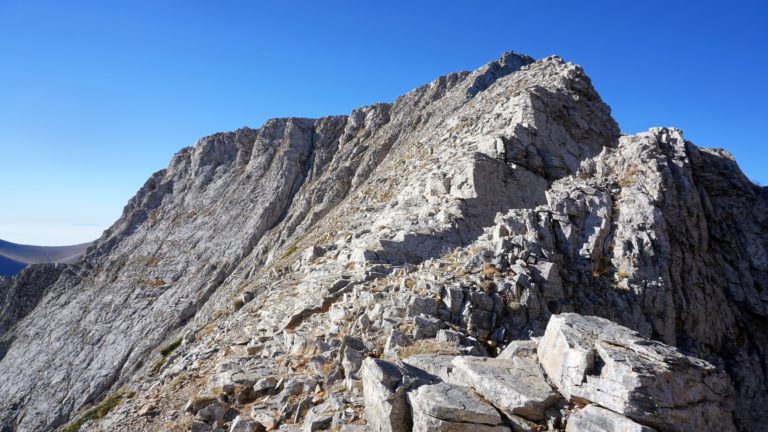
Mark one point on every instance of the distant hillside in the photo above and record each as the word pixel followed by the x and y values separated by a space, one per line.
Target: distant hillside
pixel 14 257
pixel 9 267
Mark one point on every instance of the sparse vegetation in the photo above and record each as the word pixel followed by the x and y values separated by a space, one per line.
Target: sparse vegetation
pixel 429 346
pixel 621 275
pixel 94 413
pixel 629 178
pixel 237 304
pixel 155 282
pixel 489 272
pixel 165 352
pixel 385 196
pixel 170 348
pixel 290 251
pixel 148 260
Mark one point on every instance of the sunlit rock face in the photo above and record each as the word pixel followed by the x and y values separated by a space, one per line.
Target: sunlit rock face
pixel 251 283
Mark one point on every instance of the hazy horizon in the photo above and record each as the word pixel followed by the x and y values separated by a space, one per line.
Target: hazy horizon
pixel 98 96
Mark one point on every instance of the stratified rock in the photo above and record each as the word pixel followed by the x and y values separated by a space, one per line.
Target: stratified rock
pixel 515 386
pixel 593 359
pixel 592 418
pixel 447 407
pixel 386 408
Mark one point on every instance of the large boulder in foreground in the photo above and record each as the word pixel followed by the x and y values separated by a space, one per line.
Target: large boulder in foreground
pixel 591 359
pixel 448 407
pixel 386 408
pixel 516 386
pixel 592 418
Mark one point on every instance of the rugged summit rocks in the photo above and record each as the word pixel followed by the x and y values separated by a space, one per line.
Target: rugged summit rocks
pixel 595 360
pixel 286 276
pixel 627 382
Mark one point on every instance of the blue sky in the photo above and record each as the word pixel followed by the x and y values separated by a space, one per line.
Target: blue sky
pixel 95 96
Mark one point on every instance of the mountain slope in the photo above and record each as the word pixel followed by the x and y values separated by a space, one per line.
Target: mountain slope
pixel 516 161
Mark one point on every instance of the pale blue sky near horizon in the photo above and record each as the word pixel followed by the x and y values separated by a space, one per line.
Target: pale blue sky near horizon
pixel 95 96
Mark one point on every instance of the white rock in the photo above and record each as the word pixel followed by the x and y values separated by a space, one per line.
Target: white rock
pixel 592 418
pixel 593 359
pixel 515 386
pixel 447 407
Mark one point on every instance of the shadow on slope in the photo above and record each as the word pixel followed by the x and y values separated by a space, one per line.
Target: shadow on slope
pixel 9 267
pixel 14 257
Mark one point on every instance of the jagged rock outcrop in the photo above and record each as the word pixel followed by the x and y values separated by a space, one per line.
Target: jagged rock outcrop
pixel 263 268
pixel 592 359
pixel 627 382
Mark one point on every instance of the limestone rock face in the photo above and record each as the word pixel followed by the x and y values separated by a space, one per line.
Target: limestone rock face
pixel 281 269
pixel 19 295
pixel 595 360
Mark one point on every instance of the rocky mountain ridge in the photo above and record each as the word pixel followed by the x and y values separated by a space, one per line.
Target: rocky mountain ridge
pixel 254 275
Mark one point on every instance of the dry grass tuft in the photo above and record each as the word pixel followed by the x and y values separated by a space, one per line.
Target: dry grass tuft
pixel 429 346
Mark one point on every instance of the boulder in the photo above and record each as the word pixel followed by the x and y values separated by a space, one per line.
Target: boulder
pixel 265 385
pixel 386 408
pixel 515 386
pixel 426 327
pixel 438 365
pixel 448 407
pixel 422 305
pixel 448 336
pixel 592 418
pixel 591 359
pixel 240 424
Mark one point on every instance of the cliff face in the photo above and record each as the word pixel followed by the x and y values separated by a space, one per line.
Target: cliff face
pixel 503 195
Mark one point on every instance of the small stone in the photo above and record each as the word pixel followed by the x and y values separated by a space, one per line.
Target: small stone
pixel 199 426
pixel 202 400
pixel 265 419
pixel 240 424
pixel 317 421
pixel 426 327
pixel 449 336
pixel 265 384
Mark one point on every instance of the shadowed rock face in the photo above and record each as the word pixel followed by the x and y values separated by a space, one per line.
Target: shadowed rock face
pixel 507 190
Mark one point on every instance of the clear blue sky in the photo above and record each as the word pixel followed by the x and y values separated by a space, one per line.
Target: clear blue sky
pixel 97 95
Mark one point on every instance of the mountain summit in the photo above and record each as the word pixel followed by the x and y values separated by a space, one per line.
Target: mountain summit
pixel 488 252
